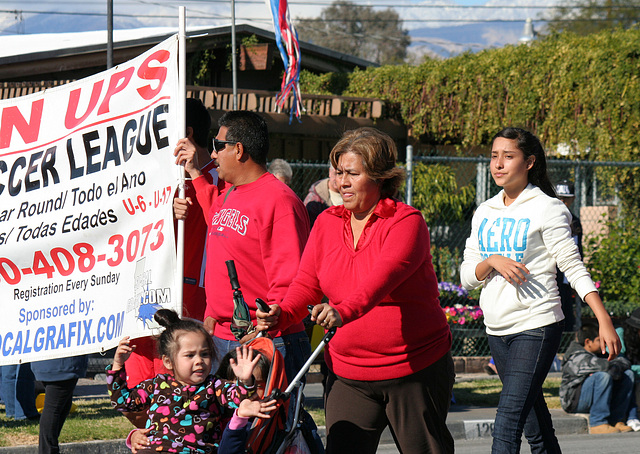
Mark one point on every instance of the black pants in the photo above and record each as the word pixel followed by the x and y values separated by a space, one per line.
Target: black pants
pixel 57 403
pixel 415 408
pixel 568 300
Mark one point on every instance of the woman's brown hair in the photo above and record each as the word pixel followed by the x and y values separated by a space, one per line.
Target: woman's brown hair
pixel 378 153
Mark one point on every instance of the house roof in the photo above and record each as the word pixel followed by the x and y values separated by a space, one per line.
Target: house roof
pixel 30 55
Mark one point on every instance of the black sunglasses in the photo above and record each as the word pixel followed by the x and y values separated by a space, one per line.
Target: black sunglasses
pixel 218 145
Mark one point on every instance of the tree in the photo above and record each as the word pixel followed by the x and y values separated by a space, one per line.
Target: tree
pixel 614 261
pixel 589 16
pixel 446 208
pixel 358 30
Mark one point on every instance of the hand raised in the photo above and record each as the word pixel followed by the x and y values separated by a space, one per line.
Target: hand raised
pixel 122 353
pixel 244 363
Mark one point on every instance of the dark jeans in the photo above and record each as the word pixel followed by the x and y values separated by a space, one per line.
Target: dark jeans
pixel 633 405
pixel 605 399
pixel 523 361
pixel 568 300
pixel 296 350
pixel 18 391
pixel 57 403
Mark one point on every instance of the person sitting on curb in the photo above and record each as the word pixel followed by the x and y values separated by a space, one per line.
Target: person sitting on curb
pixel 629 334
pixel 592 384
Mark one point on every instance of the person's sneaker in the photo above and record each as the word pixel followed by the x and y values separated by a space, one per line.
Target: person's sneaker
pixel 634 424
pixel 489 369
pixel 603 429
pixel 622 427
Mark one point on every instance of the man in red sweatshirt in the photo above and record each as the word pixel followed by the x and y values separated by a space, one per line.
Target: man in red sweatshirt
pixel 258 222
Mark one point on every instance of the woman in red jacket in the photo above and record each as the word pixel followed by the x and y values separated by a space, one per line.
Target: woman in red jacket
pixel 390 359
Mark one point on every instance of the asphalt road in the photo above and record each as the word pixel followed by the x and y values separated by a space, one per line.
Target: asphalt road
pixel 570 444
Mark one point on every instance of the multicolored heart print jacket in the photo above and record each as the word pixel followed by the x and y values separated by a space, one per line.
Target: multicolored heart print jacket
pixel 184 419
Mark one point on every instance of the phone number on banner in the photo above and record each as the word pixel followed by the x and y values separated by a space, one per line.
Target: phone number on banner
pixel 84 256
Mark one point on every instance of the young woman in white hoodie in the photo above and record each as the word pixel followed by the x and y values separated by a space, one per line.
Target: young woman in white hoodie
pixel 517 238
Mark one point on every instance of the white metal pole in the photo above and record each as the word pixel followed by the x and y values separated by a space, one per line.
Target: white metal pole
pixel 482 185
pixel 182 127
pixel 234 63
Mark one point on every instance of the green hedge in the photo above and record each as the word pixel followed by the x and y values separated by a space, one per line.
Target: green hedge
pixel 580 90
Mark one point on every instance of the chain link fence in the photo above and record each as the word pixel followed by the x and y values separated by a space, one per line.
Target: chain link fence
pixel 448 189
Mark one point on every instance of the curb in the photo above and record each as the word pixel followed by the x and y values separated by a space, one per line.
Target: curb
pixel 483 428
pixel 86 447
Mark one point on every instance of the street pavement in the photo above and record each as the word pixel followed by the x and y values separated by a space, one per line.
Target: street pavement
pixel 470 426
pixel 570 444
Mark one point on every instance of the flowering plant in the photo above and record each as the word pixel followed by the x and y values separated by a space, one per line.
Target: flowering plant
pixel 451 290
pixel 463 315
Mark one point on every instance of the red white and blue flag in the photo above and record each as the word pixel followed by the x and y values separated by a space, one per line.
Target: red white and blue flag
pixel 287 42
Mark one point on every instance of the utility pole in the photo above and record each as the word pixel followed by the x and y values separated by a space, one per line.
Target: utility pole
pixel 234 63
pixel 109 34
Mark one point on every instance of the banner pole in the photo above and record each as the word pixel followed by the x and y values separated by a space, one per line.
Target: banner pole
pixel 234 60
pixel 182 122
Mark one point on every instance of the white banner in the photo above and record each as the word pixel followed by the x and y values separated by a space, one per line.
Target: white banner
pixel 87 178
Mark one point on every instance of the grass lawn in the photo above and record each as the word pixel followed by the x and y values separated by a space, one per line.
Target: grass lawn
pixel 486 392
pixel 96 420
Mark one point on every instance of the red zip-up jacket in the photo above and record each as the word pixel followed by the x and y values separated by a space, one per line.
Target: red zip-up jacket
pixel 386 292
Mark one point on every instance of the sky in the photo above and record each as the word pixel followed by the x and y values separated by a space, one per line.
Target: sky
pixel 215 12
pixel 436 26
pixel 471 2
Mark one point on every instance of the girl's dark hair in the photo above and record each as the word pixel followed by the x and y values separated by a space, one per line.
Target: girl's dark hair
pixel 530 145
pixel 631 343
pixel 169 339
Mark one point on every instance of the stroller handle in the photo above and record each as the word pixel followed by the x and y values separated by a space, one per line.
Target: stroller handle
pixel 297 379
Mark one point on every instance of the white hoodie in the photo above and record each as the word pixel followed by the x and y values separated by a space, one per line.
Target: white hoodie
pixel 533 230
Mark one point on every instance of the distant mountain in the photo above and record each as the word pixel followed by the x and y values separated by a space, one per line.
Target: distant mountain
pixel 443 42
pixel 500 26
pixel 48 23
pixel 447 13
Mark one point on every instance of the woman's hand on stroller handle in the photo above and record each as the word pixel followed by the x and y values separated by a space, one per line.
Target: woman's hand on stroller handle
pixel 326 316
pixel 267 320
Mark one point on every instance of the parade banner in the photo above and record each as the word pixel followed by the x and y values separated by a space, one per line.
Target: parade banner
pixel 87 178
